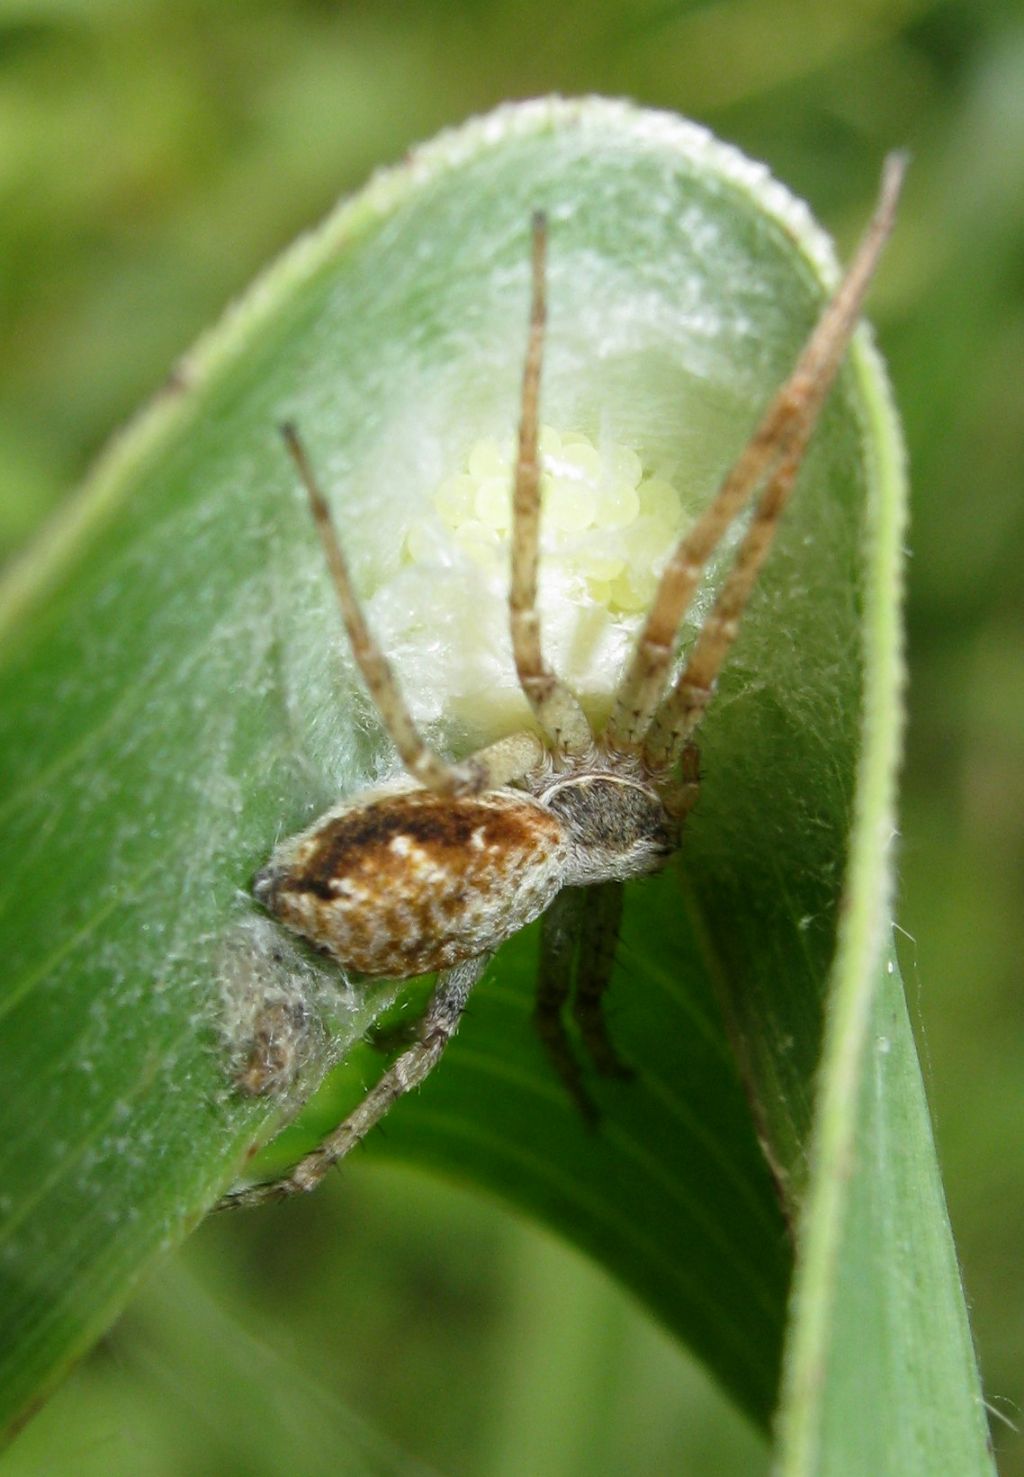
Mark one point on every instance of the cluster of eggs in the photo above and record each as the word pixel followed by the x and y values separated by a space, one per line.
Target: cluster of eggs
pixel 603 518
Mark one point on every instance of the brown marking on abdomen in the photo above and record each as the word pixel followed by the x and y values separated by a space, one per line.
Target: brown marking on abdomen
pixel 441 896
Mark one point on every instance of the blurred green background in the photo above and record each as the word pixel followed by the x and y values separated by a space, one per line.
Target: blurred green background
pixel 154 154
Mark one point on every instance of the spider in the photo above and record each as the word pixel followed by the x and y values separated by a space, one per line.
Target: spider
pixel 432 872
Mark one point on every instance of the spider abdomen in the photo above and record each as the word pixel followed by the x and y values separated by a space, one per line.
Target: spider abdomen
pixel 413 882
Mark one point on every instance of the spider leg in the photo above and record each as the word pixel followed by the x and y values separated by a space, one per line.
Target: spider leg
pixel 602 914
pixel 778 443
pixel 559 938
pixel 504 761
pixel 557 710
pixel 681 711
pixel 436 1029
pixel 680 793
pixel 433 772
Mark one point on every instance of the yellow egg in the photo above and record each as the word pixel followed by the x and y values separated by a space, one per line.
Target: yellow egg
pixel 633 591
pixel 622 464
pixel 579 460
pixel 617 505
pixel 660 499
pixel 487 459
pixel 493 502
pixel 479 542
pixel 550 442
pixel 454 499
pixel 600 564
pixel 568 505
pixel 420 542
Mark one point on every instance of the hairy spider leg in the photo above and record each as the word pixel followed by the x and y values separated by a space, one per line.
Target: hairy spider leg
pixel 557 709
pixel 579 933
pixel 682 710
pixel 779 440
pixel 436 1029
pixel 559 936
pixel 496 765
pixel 597 920
pixel 602 915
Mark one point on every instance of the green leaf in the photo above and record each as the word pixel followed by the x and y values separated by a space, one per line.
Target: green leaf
pixel 880 1322
pixel 173 697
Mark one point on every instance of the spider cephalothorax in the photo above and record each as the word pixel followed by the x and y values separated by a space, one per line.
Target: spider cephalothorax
pixel 435 874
